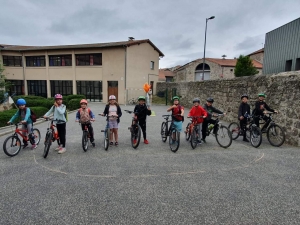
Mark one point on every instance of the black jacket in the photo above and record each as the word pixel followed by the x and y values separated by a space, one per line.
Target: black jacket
pixel 119 112
pixel 210 110
pixel 243 109
pixel 141 111
pixel 260 107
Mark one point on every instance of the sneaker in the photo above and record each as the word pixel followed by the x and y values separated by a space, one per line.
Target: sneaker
pixel 34 146
pixel 199 142
pixel 62 150
pixel 146 141
pixel 93 143
pixel 116 143
pixel 25 145
pixel 58 148
pixel 203 140
pixel 134 141
pixel 111 143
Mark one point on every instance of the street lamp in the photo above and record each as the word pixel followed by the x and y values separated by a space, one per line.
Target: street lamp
pixel 210 18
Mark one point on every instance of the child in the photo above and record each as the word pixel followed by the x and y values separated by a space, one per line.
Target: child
pixel 141 112
pixel 58 109
pixel 244 110
pixel 197 110
pixel 85 115
pixel 176 110
pixel 25 114
pixel 113 110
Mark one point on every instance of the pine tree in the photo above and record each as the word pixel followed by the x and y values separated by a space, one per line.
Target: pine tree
pixel 244 67
pixel 3 84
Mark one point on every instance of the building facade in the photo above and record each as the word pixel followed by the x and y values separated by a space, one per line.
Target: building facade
pixel 95 70
pixel 282 49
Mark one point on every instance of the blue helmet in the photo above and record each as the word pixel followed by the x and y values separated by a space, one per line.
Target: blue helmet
pixel 21 101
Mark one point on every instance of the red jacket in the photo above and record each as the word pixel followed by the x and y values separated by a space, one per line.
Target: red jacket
pixel 197 111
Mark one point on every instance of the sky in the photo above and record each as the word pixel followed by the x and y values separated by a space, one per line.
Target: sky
pixel 176 27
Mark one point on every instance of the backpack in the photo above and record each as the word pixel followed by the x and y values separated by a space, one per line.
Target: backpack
pixel 182 117
pixel 84 118
pixel 32 114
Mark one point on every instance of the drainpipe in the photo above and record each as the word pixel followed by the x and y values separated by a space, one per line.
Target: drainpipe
pixel 23 67
pixel 125 74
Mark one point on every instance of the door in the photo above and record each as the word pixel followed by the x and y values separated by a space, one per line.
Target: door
pixel 112 88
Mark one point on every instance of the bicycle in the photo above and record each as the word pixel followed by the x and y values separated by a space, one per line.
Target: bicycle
pixel 192 130
pixel 106 132
pixel 51 136
pixel 135 131
pixel 174 135
pixel 12 144
pixel 85 136
pixel 222 133
pixel 275 133
pixel 252 131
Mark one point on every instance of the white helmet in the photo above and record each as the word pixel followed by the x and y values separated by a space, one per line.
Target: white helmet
pixel 112 97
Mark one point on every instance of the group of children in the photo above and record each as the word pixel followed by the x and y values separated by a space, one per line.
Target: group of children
pixel 113 113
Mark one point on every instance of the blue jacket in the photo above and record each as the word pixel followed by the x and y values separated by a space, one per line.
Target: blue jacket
pixel 24 115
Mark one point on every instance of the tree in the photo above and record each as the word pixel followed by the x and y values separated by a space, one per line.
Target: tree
pixel 4 86
pixel 244 67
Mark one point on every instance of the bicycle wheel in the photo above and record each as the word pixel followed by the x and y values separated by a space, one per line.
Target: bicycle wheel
pixel 255 136
pixel 174 140
pixel 275 135
pixel 85 141
pixel 48 143
pixel 163 131
pixel 135 135
pixel 223 136
pixel 194 139
pixel 187 131
pixel 106 138
pixel 36 135
pixel 234 128
pixel 12 146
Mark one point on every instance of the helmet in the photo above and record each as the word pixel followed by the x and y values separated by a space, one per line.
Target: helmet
pixel 142 98
pixel 196 100
pixel 112 97
pixel 261 95
pixel 175 98
pixel 21 101
pixel 58 96
pixel 244 95
pixel 84 101
pixel 210 99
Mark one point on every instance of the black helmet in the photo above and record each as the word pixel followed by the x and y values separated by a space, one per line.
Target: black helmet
pixel 210 99
pixel 244 95
pixel 196 100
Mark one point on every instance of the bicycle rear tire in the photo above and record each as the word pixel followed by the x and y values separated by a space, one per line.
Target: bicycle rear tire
pixel 223 136
pixel 135 135
pixel 255 136
pixel 235 130
pixel 194 139
pixel 106 138
pixel 12 145
pixel 275 132
pixel 174 142
pixel 48 143
pixel 187 131
pixel 85 141
pixel 36 135
pixel 163 131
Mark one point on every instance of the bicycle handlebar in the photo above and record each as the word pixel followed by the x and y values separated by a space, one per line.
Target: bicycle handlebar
pixel 51 119
pixel 108 116
pixel 128 111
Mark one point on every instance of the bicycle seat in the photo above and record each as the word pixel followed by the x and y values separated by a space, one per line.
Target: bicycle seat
pixel 128 111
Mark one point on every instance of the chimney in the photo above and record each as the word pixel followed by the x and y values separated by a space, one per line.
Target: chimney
pixel 224 56
pixel 130 38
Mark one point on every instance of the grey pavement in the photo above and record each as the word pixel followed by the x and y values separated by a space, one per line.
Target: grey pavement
pixel 150 184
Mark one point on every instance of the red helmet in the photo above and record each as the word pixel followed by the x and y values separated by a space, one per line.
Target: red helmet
pixel 58 96
pixel 84 101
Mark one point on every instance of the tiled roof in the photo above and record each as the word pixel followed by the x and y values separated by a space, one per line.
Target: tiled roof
pixel 96 45
pixel 258 51
pixel 163 73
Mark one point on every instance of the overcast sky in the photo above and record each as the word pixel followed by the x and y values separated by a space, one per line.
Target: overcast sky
pixel 176 27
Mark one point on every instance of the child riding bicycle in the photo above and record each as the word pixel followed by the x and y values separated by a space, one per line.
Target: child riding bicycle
pixel 141 112
pixel 25 114
pixel 177 109
pixel 244 109
pixel 85 115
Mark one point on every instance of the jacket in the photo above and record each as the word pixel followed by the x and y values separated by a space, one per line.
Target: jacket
pixel 58 113
pixel 210 110
pixel 260 106
pixel 243 109
pixel 141 111
pixel 24 115
pixel 197 111
pixel 119 112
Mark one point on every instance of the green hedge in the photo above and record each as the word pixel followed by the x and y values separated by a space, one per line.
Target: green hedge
pixel 66 99
pixel 74 104
pixel 32 101
pixel 6 115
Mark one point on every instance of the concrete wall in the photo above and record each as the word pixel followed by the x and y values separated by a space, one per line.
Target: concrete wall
pixel 282 90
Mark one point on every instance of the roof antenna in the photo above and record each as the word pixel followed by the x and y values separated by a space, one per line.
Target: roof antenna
pixel 130 38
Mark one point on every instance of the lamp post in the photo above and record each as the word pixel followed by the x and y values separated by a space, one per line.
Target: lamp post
pixel 210 18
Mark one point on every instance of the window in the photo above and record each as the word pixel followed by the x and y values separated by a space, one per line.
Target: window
pixel 60 60
pixel 64 87
pixel 12 60
pixel 91 89
pixel 33 61
pixel 152 65
pixel 37 87
pixel 288 65
pixel 17 87
pixel 297 64
pixel 89 60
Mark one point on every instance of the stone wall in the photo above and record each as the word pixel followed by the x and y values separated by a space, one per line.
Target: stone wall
pixel 282 90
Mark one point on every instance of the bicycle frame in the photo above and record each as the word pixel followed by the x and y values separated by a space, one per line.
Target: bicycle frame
pixel 20 131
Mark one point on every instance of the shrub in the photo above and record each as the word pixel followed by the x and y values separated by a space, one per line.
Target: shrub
pixel 74 104
pixel 32 101
pixel 6 115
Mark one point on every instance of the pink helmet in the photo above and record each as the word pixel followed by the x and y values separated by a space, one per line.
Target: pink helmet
pixel 84 101
pixel 58 96
pixel 112 97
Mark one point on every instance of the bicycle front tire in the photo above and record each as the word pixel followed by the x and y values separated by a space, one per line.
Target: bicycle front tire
pixel 85 141
pixel 194 139
pixel 48 143
pixel 187 131
pixel 223 136
pixel 235 129
pixel 163 131
pixel 174 140
pixel 135 135
pixel 106 138
pixel 12 146
pixel 275 135
pixel 255 136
